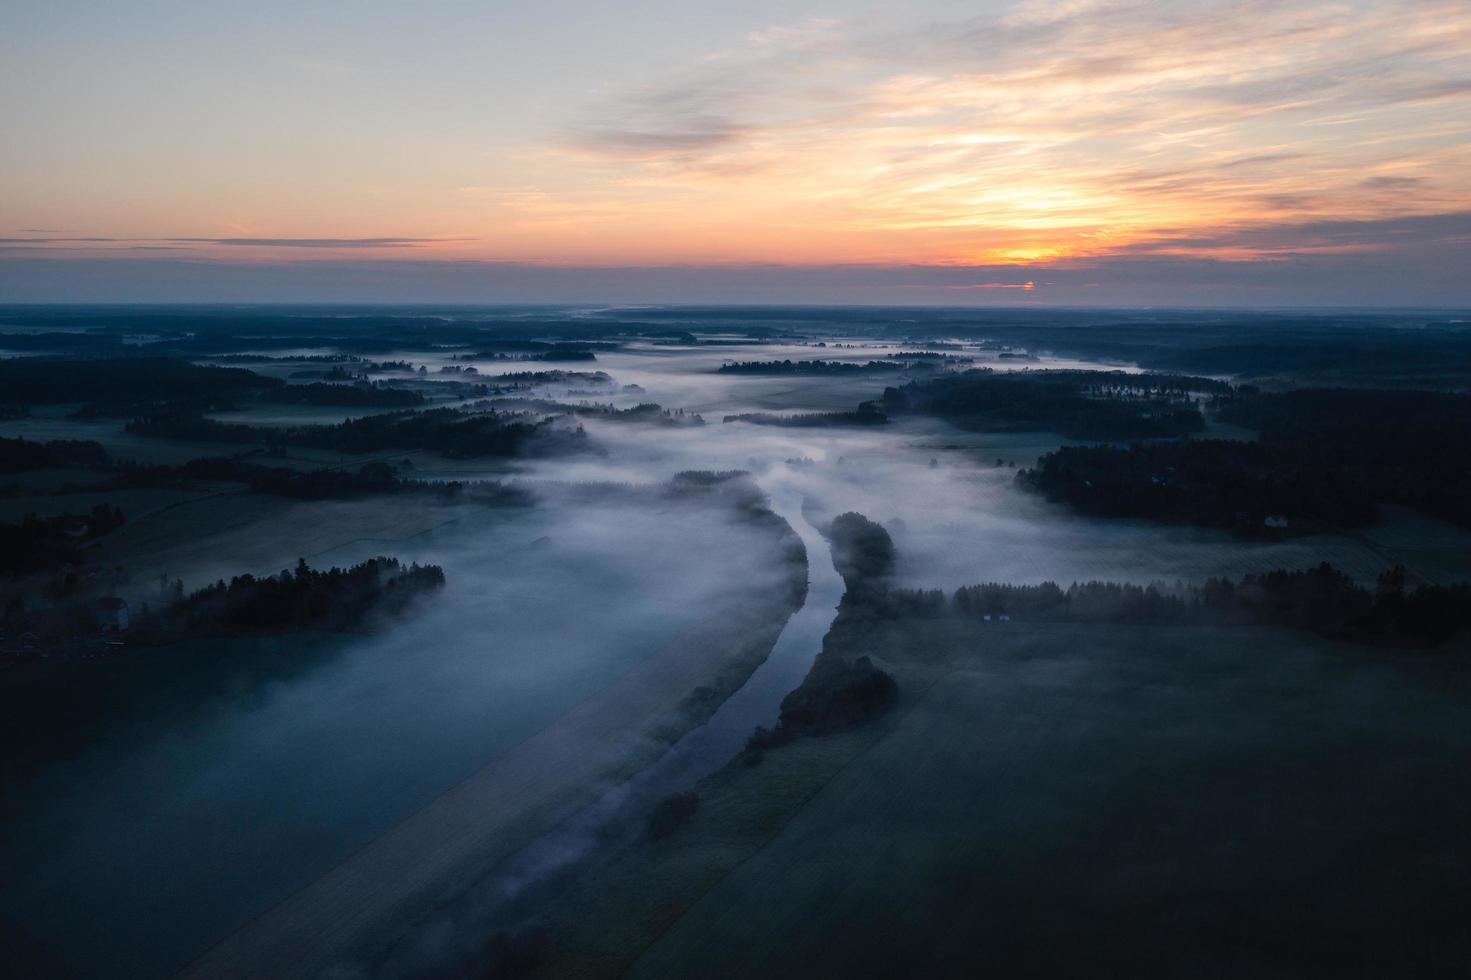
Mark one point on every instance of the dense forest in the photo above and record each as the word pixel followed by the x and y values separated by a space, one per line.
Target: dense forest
pixel 306 598
pixel 1245 486
pixel 1325 459
pixel 812 367
pixel 1406 447
pixel 125 383
pixel 125 386
pixel 444 430
pixel 929 355
pixel 20 454
pixel 553 377
pixel 646 413
pixel 38 543
pixel 863 553
pixel 1321 600
pixel 1077 404
pixel 867 413
pixel 370 479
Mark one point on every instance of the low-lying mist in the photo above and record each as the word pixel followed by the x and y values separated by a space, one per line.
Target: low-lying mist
pixel 171 834
pixel 184 832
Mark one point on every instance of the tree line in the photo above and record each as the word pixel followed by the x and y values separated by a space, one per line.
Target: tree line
pixel 448 431
pixel 1405 447
pixel 810 367
pixel 1320 600
pixel 303 598
pixel 1077 404
pixel 1249 487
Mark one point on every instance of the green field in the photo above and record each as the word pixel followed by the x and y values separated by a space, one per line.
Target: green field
pixel 1073 801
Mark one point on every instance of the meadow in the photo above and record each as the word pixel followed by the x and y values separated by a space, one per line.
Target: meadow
pixel 1057 800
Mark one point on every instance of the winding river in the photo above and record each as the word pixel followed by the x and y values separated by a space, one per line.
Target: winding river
pixel 699 753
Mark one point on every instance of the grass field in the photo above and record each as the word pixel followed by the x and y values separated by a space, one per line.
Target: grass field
pixel 1073 801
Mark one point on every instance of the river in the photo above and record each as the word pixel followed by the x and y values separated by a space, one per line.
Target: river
pixel 488 906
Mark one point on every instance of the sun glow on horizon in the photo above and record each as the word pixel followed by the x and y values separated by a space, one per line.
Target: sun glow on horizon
pixel 1234 130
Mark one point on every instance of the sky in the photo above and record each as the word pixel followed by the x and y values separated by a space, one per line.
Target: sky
pixel 1078 152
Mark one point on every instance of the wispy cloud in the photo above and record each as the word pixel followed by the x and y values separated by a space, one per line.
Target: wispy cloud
pixel 1159 135
pixel 1062 130
pixel 185 242
pixel 317 242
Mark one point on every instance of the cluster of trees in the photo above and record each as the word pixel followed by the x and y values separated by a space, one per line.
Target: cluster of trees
pixel 1320 347
pixel 868 413
pixel 61 340
pixel 810 367
pixel 359 393
pixel 124 386
pixel 1325 458
pixel 306 598
pixel 1321 599
pixel 124 381
pixel 565 355
pixel 444 430
pixel 39 543
pixel 863 553
pixel 1205 482
pixel 455 389
pixel 556 377
pixel 645 413
pixel 1077 404
pixel 929 355
pixel 1405 447
pixel 836 695
pixel 733 486
pixel 649 413
pixel 370 479
pixel 19 455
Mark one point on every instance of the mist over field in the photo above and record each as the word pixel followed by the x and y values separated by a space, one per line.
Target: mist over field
pixel 642 668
